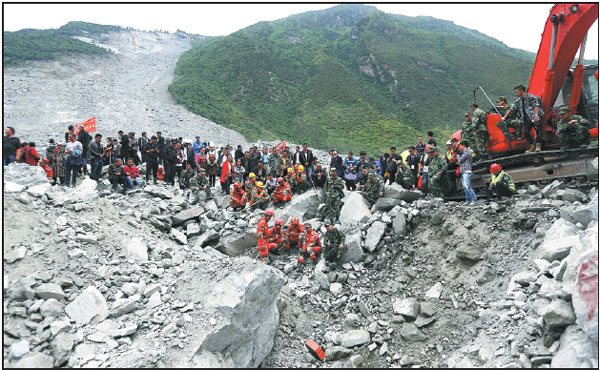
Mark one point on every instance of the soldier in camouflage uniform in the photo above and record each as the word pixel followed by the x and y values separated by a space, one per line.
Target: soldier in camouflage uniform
pixel 274 163
pixel 404 177
pixel 259 199
pixel 333 242
pixel 373 188
pixel 512 120
pixel 479 124
pixel 529 108
pixel 437 166
pixel 467 134
pixel 302 183
pixel 334 192
pixel 573 130
pixel 200 184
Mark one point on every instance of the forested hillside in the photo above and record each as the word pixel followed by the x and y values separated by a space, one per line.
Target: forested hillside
pixel 32 44
pixel 349 76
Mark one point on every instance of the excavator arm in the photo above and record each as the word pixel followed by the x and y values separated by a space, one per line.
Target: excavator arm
pixel 565 32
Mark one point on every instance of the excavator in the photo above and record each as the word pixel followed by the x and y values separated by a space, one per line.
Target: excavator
pixel 557 84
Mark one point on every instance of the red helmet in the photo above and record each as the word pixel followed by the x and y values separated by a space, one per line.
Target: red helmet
pixel 280 179
pixel 294 221
pixel 269 212
pixel 296 167
pixel 237 185
pixel 495 168
pixel 279 222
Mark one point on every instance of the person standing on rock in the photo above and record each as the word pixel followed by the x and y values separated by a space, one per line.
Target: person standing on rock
pixel 307 159
pixel 161 147
pixel 200 184
pixel 32 157
pixel 262 232
pixel 142 143
pixel 84 138
pixel 333 243
pixel 179 159
pixel 70 130
pixel 239 172
pixel 437 166
pixel 212 167
pixel 412 161
pixel 501 183
pixel 465 160
pixel 197 145
pixel 169 160
pixel 133 149
pixel 274 163
pixel 334 192
pixel 227 175
pixel 202 159
pixel 123 145
pixel 73 151
pixel 152 157
pixel 312 244
pixel 96 157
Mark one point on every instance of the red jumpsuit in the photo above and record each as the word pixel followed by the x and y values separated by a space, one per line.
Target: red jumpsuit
pixel 276 237
pixel 312 245
pixel 238 199
pixel 295 235
pixel 282 193
pixel 264 235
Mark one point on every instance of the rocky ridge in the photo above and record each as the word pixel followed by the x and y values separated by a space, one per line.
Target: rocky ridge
pixel 94 278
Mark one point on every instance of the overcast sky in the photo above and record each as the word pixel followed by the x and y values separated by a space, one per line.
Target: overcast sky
pixel 517 25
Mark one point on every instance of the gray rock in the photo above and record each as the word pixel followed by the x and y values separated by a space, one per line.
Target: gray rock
pixel 154 300
pixel 576 350
pixel 434 292
pixel 19 349
pixel 179 236
pixel 468 254
pixel 584 216
pixel 439 217
pixel 35 359
pixel 558 241
pixel 337 353
pixel 393 191
pixel 427 309
pixel 336 288
pixel 571 195
pixel 399 224
pixel 304 206
pixel 192 230
pixel 11 187
pixel 51 308
pixel 558 314
pixel 15 254
pixel 207 237
pixel 89 306
pixel 422 321
pixel 352 251
pixel 386 204
pixel 122 306
pixel 407 307
pixel 355 210
pixel 187 214
pixel 61 221
pixel 137 249
pixel 236 244
pixel 552 188
pixel 24 174
pixel 151 289
pixel 320 275
pixel 39 190
pixel 355 338
pixel 50 290
pixel 374 235
pixel 61 347
pixel 158 192
pixel 585 295
pixel 409 331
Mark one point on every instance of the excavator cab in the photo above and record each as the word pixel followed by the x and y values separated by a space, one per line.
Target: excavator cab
pixel 588 102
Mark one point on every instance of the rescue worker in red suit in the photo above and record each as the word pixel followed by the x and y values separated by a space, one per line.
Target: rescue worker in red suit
pixel 238 197
pixel 282 192
pixel 276 236
pixel 312 244
pixel 263 234
pixel 295 234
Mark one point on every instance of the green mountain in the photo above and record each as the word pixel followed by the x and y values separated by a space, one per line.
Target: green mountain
pixel 32 44
pixel 349 76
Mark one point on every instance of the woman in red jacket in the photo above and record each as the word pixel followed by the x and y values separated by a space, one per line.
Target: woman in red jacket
pixel 31 156
pixel 227 174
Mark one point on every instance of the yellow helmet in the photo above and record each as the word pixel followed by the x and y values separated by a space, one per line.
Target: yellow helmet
pixel 290 170
pixel 259 184
pixel 251 175
pixel 300 168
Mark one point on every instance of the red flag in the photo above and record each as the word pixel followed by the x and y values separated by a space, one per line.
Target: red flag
pixel 89 126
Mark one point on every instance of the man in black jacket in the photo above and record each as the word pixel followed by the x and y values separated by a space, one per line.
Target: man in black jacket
pixel 169 160
pixel 161 147
pixel 142 142
pixel 392 164
pixel 307 159
pixel 84 138
pixel 338 163
pixel 124 142
pixel 10 144
pixel 152 154
pixel 96 157
pixel 319 176
pixel 133 148
pixel 413 163
pixel 116 175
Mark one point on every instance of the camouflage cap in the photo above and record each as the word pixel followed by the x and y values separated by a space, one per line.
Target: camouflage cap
pixel 327 223
pixel 332 170
pixel 432 149
pixel 474 103
pixel 502 98
pixel 202 170
pixel 564 109
pixel 468 114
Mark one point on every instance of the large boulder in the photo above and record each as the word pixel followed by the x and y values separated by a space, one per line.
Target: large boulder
pixel 396 191
pixel 399 224
pixel 552 188
pixel 355 210
pixel 207 237
pixel 585 295
pixel 84 192
pixel 39 190
pixel 187 214
pixel 385 204
pixel 89 306
pixel 571 195
pixel 24 174
pixel 575 350
pixel 158 191
pixel 304 206
pixel 12 187
pixel 558 241
pixel 352 251
pixel 583 215
pixel 235 244
pixel 558 314
pixel 374 235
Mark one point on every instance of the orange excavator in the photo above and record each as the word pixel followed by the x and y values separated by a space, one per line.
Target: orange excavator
pixel 557 84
